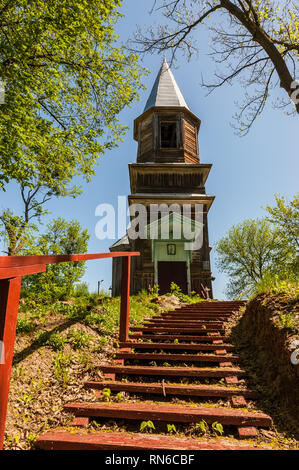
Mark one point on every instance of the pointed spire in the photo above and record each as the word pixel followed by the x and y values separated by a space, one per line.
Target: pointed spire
pixel 165 91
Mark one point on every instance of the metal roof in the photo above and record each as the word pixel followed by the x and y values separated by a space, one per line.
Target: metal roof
pixel 122 241
pixel 165 91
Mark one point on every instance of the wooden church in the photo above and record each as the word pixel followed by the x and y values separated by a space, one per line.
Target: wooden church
pixel 167 172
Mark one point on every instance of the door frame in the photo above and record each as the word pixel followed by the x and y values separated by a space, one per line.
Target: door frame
pixel 185 256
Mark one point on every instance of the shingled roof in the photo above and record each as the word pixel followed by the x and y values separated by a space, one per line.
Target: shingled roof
pixel 165 91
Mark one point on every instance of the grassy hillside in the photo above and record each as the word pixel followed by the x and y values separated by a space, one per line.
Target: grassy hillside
pixel 265 333
pixel 57 348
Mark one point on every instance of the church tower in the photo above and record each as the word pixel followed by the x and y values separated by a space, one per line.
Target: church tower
pixel 168 176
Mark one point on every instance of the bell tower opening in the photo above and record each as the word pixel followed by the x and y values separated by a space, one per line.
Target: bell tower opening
pixel 168 135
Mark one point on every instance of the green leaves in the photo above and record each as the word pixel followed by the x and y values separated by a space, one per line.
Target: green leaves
pixel 286 218
pixel 171 429
pixel 106 394
pixel 251 42
pixel 66 80
pixel 218 428
pixel 202 427
pixel 61 237
pixel 249 251
pixel 147 426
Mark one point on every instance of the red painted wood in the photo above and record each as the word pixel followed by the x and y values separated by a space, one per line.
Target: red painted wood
pixel 201 319
pixel 8 273
pixel 12 268
pixel 179 318
pixel 170 413
pixel 174 371
pixel 9 303
pixel 80 421
pixel 109 376
pixel 216 303
pixel 183 346
pixel 231 380
pixel 62 440
pixel 226 311
pixel 214 307
pixel 180 337
pixel 243 419
pixel 246 432
pixel 176 357
pixel 206 306
pixel 8 261
pixel 239 402
pixel 172 389
pixel 178 329
pixel 179 323
pixel 195 316
pixel 125 299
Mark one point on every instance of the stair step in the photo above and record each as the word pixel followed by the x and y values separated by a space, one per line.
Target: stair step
pixel 205 309
pixel 175 371
pixel 193 317
pixel 170 413
pixel 180 337
pixel 178 329
pixel 172 389
pixel 183 346
pixel 202 310
pixel 198 312
pixel 195 312
pixel 196 321
pixel 180 323
pixel 63 440
pixel 208 308
pixel 176 357
pixel 214 311
pixel 182 320
pixel 193 321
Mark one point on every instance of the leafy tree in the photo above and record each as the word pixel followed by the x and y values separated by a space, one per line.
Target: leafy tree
pixel 286 218
pixel 254 41
pixel 249 251
pixel 17 232
pixel 66 80
pixel 59 281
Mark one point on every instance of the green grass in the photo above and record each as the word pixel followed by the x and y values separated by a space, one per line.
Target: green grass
pixel 98 311
pixel 189 299
pixel 271 283
pixel 78 339
pixel 53 340
pixel 25 325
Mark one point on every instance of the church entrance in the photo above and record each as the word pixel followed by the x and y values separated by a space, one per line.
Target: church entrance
pixel 172 271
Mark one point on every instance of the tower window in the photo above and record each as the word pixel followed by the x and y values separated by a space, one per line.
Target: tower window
pixel 168 135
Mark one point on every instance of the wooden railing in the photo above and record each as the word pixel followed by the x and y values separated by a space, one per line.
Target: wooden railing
pixel 12 269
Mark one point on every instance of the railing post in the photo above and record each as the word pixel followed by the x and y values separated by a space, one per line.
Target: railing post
pixel 125 298
pixel 9 305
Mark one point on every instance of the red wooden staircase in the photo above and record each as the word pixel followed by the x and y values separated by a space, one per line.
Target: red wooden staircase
pixel 174 358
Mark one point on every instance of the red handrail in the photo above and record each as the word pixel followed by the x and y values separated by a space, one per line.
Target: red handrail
pixel 12 269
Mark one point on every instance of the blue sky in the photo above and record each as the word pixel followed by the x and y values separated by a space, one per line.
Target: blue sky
pixel 246 172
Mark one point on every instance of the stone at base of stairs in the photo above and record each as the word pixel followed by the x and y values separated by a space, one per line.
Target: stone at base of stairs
pixel 64 440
